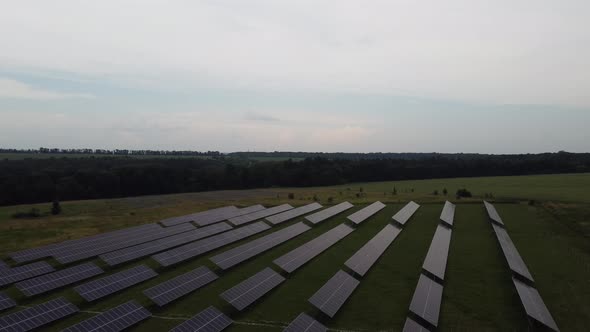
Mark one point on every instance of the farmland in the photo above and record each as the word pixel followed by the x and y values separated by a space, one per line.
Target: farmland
pixel 550 233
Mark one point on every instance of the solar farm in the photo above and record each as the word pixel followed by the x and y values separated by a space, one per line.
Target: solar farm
pixel 354 267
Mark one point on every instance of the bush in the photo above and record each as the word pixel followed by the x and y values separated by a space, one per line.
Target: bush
pixel 435 192
pixel 55 208
pixel 463 193
pixel 316 198
pixel 445 192
pixel 330 199
pixel 33 213
pixel 291 196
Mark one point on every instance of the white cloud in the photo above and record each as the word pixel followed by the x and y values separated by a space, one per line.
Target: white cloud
pixel 14 89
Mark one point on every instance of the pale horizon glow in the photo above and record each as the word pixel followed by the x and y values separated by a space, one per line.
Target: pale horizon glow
pixel 350 76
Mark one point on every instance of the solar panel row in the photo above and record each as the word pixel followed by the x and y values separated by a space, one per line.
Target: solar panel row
pixel 145 249
pixel 85 252
pixel 534 305
pixel 427 300
pixel 329 212
pixel 190 217
pixel 18 273
pixel 208 320
pixel 412 326
pixel 305 323
pixel 116 319
pixel 515 262
pixel 177 287
pixel 334 293
pixel 492 213
pixel 436 258
pixel 403 215
pixel 293 213
pixel 208 220
pixel 306 252
pixel 3 265
pixel 6 302
pixel 58 279
pixel 363 259
pixel 448 213
pixel 248 250
pixel 361 215
pixel 200 247
pixel 115 282
pixel 248 291
pixel 37 316
pixel 240 220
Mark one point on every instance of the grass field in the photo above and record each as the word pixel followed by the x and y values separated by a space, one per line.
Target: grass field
pixel 551 235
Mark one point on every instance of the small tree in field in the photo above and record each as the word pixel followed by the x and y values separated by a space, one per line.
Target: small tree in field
pixel 55 207
pixel 445 192
pixel 291 196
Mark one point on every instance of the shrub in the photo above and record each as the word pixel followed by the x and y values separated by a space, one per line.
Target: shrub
pixel 55 207
pixel 33 213
pixel 291 196
pixel 463 193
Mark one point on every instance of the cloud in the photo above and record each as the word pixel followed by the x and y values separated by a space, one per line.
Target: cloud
pixel 260 117
pixel 17 90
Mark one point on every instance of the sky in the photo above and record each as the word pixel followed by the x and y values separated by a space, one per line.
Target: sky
pixel 269 75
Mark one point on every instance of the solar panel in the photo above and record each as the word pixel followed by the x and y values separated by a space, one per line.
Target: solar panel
pixel 448 213
pixel 248 291
pixel 208 320
pixel 334 293
pixel 294 213
pixel 115 282
pixel 3 265
pixel 240 220
pixel 248 250
pixel 403 215
pixel 118 318
pixel 306 252
pixel 18 273
pixel 208 220
pixel 104 247
pixel 436 258
pixel 363 259
pixel 145 249
pixel 412 326
pixel 515 262
pixel 363 214
pixel 200 247
pixel 58 279
pixel 37 316
pixel 305 323
pixel 534 305
pixel 427 299
pixel 190 217
pixel 177 287
pixel 6 302
pixel 492 213
pixel 329 212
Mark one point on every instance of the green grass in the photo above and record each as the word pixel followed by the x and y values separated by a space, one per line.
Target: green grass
pixel 552 238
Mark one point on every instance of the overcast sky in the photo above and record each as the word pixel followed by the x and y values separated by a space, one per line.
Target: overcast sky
pixel 355 76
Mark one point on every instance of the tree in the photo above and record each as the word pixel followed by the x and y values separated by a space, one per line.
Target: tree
pixel 291 196
pixel 394 191
pixel 445 192
pixel 435 192
pixel 55 207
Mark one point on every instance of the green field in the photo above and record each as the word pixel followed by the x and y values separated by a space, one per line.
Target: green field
pixel 551 235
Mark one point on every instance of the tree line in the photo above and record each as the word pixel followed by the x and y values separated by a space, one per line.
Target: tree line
pixel 44 180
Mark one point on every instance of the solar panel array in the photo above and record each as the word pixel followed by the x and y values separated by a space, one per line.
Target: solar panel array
pixel 3 265
pixel 427 300
pixel 37 316
pixel 403 215
pixel 515 262
pixel 293 213
pixel 363 259
pixel 248 291
pixel 87 251
pixel 492 213
pixel 534 305
pixel 361 215
pixel 66 246
pixel 116 319
pixel 240 220
pixel 208 220
pixel 436 258
pixel 145 249
pixel 18 273
pixel 191 217
pixel 305 323
pixel 412 326
pixel 6 302
pixel 58 279
pixel 208 320
pixel 177 287
pixel 248 250
pixel 115 282
pixel 306 252
pixel 329 212
pixel 334 293
pixel 200 247
pixel 448 213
